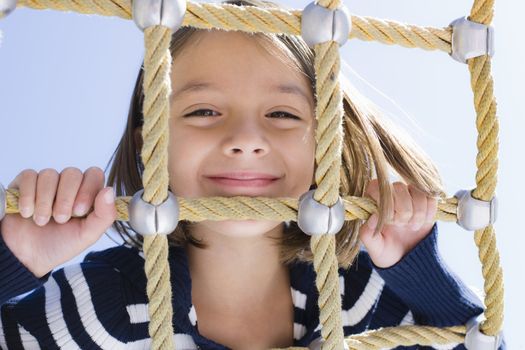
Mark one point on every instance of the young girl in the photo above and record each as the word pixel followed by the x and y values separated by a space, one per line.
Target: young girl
pixel 242 123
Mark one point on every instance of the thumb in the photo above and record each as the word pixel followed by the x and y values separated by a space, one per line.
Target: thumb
pixel 366 234
pixel 101 218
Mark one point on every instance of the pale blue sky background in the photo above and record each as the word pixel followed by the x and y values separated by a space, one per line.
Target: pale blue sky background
pixel 66 81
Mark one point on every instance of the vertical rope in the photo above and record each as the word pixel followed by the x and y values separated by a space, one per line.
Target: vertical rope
pixel 486 176
pixel 329 134
pixel 157 88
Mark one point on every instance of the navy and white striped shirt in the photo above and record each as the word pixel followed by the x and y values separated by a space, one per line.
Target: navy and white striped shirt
pixel 101 303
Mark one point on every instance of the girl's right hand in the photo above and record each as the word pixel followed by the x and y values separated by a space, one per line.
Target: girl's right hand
pixel 45 234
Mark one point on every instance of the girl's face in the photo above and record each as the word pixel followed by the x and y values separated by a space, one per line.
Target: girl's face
pixel 229 115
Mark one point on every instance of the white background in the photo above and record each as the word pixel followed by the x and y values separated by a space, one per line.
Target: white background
pixel 66 81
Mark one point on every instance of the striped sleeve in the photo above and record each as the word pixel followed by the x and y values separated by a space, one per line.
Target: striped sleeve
pixel 81 306
pixel 15 278
pixel 421 290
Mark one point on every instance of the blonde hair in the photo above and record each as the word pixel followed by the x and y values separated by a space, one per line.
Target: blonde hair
pixel 371 147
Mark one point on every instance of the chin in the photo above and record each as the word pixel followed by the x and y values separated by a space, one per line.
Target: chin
pixel 242 228
pixel 246 192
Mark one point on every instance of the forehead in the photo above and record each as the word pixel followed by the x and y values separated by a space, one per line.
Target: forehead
pixel 229 60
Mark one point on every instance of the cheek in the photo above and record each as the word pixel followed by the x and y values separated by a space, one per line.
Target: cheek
pixel 184 158
pixel 300 160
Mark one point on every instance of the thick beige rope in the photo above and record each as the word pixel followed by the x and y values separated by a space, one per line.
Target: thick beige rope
pixel 155 133
pixel 254 19
pixel 391 337
pixel 486 176
pixel 329 140
pixel 256 208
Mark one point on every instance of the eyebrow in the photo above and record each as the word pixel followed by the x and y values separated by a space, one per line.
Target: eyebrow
pixel 195 86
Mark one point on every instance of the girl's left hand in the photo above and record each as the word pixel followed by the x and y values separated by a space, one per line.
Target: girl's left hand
pixel 413 220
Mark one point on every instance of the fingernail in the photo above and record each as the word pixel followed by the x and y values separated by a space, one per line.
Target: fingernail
pixel 79 210
pixel 108 196
pixel 61 218
pixel 25 212
pixel 41 220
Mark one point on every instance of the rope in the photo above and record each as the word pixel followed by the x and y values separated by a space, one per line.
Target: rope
pixel 254 19
pixel 252 208
pixel 391 337
pixel 329 138
pixel 157 88
pixel 486 176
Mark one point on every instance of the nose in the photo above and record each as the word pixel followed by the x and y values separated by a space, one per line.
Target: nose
pixel 246 139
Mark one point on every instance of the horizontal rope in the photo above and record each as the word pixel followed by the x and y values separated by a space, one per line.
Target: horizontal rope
pixel 270 20
pixel 252 208
pixel 392 337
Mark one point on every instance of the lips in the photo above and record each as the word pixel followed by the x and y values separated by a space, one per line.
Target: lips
pixel 243 175
pixel 245 183
pixel 244 179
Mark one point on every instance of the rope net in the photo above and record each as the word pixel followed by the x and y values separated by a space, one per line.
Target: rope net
pixel 329 135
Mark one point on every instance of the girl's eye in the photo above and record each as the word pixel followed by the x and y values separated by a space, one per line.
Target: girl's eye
pixel 284 115
pixel 197 112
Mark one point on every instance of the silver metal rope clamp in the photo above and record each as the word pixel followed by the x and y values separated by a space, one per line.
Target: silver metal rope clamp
pixel 474 214
pixel 471 39
pixel 148 219
pixel 319 24
pixel 168 13
pixel 476 340
pixel 314 218
pixel 3 202
pixel 6 7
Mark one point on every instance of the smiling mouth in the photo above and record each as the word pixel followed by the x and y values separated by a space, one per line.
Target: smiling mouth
pixel 242 182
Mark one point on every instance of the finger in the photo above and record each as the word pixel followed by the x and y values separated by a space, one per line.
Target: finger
pixel 432 206
pixel 372 190
pixel 402 204
pixel 101 218
pixel 366 233
pixel 25 183
pixel 46 186
pixel 68 185
pixel 91 185
pixel 419 208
